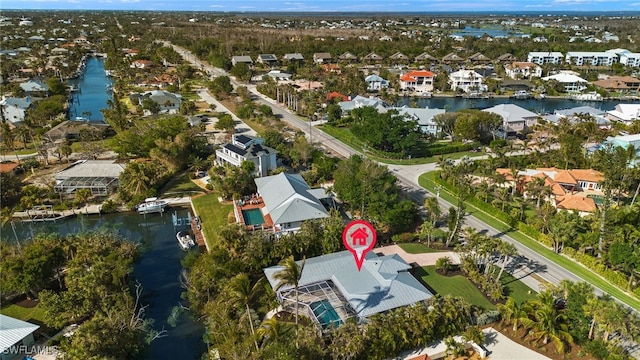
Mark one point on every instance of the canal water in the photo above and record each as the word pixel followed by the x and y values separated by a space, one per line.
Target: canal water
pixel 95 90
pixel 158 270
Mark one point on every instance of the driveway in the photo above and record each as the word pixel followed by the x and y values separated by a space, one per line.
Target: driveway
pixel 424 259
pixel 501 347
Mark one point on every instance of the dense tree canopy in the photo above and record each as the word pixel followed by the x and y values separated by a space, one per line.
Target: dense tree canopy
pixel 387 132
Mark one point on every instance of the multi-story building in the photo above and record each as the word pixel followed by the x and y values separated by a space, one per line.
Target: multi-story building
pixel 248 148
pixel 466 80
pixel 545 57
pixel 630 59
pixel 522 70
pixel 582 58
pixel 418 81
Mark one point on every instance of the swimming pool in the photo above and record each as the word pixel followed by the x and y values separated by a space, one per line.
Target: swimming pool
pixel 252 217
pixel 326 314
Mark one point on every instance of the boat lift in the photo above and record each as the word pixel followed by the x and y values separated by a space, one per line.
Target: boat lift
pixel 181 221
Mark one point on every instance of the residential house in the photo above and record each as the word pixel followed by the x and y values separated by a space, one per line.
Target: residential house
pixel 523 70
pixel 15 336
pixel 515 118
pixel 625 113
pixel 98 176
pixel 625 141
pixel 573 190
pixel 361 101
pixel 507 58
pixel 336 95
pixel 348 57
pixel 630 59
pixel 75 130
pixel 544 57
pixel 375 83
pixel 331 68
pixel 293 57
pixel 583 58
pixel 619 84
pixel 424 117
pixel 14 110
pixel 267 59
pixel 424 57
pixel 478 58
pixel 288 201
pixel 141 64
pixel 373 58
pixel 321 58
pixel 467 81
pixel 34 86
pixel 452 57
pixel 169 102
pixel 333 283
pixel 130 52
pixel 248 148
pixel 278 75
pixel 244 59
pixel 399 58
pixel 420 81
pixel 571 82
pixel 575 115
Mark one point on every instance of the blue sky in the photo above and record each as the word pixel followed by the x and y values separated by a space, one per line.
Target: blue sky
pixel 331 5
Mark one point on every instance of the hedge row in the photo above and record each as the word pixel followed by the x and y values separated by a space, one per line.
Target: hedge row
pixel 589 261
pixel 450 149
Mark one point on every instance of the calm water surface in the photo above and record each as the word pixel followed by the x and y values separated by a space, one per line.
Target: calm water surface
pixel 157 270
pixel 94 91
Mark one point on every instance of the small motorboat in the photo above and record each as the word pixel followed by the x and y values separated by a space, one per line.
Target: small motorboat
pixel 184 240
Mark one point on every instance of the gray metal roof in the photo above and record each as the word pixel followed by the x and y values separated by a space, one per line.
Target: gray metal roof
pixel 288 200
pixel 423 116
pixel 13 330
pixel 92 168
pixel 511 112
pixel 382 284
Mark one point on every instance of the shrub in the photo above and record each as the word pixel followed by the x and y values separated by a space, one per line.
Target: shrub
pixel 403 238
pixel 488 317
pixel 109 206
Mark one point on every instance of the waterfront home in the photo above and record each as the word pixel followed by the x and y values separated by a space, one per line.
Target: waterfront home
pixel 571 82
pixel 577 114
pixel 583 58
pixel 14 110
pixel 282 204
pixel 523 70
pixel 419 81
pixel 321 58
pixel 361 101
pixel 332 289
pixel 424 117
pixel 75 130
pixel 248 148
pixel 625 113
pixel 375 83
pixel 619 84
pixel 625 141
pixel 15 336
pixel 34 86
pixel 543 57
pixel 98 176
pixel 573 190
pixel 467 81
pixel 244 59
pixel 515 119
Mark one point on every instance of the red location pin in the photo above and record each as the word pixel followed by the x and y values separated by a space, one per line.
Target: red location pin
pixel 359 237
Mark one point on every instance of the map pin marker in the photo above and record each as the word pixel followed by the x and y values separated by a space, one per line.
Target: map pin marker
pixel 359 237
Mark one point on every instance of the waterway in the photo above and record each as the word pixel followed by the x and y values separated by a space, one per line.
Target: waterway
pixel 95 90
pixel 543 106
pixel 158 271
pixel 491 31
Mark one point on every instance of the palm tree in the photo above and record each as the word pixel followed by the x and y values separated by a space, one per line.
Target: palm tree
pixel 244 294
pixel 506 249
pixel 547 322
pixel 272 330
pixel 512 312
pixel 290 275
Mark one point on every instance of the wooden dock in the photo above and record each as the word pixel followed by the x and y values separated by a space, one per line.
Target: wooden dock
pixel 196 227
pixel 48 215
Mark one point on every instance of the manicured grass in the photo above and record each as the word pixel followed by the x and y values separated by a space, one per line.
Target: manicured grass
pixel 458 286
pixel 22 313
pixel 213 215
pixel 182 185
pixel 516 289
pixel 415 248
pixel 426 181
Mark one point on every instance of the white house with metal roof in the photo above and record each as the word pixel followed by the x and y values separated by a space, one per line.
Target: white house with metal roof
pixel 594 58
pixel 515 118
pixel 99 176
pixel 246 59
pixel 573 115
pixel 376 82
pixel 14 334
pixel 466 80
pixel 169 103
pixel 332 290
pixel 571 82
pixel 424 117
pixel 248 148
pixel 361 101
pixel 32 86
pixel 14 110
pixel 545 57
pixel 625 113
pixel 289 201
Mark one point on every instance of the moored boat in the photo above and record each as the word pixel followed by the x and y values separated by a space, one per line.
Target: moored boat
pixel 151 205
pixel 184 240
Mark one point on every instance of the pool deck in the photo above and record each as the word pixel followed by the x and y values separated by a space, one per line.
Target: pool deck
pixel 254 202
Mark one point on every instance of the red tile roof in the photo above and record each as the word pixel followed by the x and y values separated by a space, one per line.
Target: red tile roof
pixel 8 167
pixel 579 203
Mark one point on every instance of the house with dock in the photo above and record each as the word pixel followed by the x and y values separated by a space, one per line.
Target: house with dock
pixel 99 176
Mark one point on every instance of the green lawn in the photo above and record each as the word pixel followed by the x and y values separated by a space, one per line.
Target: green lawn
pixel 415 248
pixel 457 285
pixel 22 313
pixel 426 181
pixel 516 289
pixel 182 185
pixel 213 215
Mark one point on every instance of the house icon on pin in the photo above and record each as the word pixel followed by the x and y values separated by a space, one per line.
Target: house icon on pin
pixel 360 236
